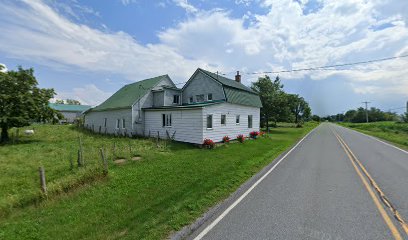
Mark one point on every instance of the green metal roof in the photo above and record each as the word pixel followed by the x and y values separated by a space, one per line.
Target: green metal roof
pixel 236 92
pixel 242 97
pixel 129 94
pixel 69 107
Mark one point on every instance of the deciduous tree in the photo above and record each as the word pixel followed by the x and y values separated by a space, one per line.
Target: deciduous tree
pixel 22 101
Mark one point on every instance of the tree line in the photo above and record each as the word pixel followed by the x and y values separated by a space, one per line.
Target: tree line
pixel 359 116
pixel 279 106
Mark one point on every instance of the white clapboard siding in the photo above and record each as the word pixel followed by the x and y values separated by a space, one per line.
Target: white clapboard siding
pixel 230 128
pixel 186 123
pixel 94 120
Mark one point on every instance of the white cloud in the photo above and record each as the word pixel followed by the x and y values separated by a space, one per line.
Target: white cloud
pixel 287 36
pixel 4 68
pixel 87 95
pixel 187 6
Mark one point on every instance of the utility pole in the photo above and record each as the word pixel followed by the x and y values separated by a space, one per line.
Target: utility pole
pixel 366 103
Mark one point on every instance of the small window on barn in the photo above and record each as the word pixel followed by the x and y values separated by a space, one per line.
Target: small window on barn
pixel 249 121
pixel 106 120
pixel 237 119
pixel 209 121
pixel 223 119
pixel 176 99
pixel 117 123
pixel 200 98
pixel 191 100
pixel 209 97
pixel 166 120
pixel 123 123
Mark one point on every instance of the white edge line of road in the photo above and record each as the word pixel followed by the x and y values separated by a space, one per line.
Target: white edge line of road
pixel 219 218
pixel 390 145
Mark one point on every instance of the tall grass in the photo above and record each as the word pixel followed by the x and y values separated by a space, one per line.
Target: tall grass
pixel 54 147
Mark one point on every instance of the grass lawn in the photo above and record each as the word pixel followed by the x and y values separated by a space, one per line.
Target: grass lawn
pixel 393 132
pixel 148 199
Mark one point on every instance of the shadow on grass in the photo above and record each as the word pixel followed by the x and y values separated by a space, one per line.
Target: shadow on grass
pixel 20 142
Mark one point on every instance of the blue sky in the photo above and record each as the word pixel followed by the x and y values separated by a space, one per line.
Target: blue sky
pixel 87 50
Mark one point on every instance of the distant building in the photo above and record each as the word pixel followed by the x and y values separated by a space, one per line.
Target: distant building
pixel 208 106
pixel 70 112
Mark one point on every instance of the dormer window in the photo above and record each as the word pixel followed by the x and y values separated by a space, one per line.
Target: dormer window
pixel 200 98
pixel 209 97
pixel 176 99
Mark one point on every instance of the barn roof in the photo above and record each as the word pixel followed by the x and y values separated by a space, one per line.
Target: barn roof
pixel 69 107
pixel 235 92
pixel 129 94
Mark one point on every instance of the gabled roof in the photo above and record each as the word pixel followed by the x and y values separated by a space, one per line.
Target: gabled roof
pixel 235 92
pixel 227 81
pixel 129 94
pixel 69 107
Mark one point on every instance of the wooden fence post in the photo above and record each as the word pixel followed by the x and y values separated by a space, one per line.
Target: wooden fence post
pixel 114 150
pixel 80 155
pixel 104 162
pixel 42 180
pixel 157 140
pixel 79 158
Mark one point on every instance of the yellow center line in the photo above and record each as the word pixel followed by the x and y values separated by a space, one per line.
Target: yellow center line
pixel 384 215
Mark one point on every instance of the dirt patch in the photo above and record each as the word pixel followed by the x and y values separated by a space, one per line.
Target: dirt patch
pixel 136 158
pixel 120 161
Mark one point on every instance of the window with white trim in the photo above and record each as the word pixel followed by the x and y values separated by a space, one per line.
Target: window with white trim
pixel 209 121
pixel 209 97
pixel 123 123
pixel 200 98
pixel 176 99
pixel 166 120
pixel 105 122
pixel 237 119
pixel 117 123
pixel 223 119
pixel 249 121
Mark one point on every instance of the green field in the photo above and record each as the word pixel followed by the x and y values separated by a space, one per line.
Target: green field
pixel 170 187
pixel 393 132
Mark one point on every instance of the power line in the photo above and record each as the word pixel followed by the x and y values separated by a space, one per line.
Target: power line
pixel 329 66
pixel 319 68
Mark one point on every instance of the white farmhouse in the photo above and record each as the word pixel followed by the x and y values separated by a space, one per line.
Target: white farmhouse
pixel 208 106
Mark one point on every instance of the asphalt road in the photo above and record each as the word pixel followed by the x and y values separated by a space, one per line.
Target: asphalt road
pixel 318 191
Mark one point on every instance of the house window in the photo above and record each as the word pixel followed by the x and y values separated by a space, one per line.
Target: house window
pixel 191 100
pixel 209 97
pixel 123 123
pixel 200 98
pixel 237 119
pixel 166 120
pixel 249 121
pixel 209 121
pixel 106 120
pixel 223 119
pixel 139 115
pixel 117 123
pixel 176 99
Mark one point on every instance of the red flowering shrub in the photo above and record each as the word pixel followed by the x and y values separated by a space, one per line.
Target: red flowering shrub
pixel 208 143
pixel 253 134
pixel 225 139
pixel 241 138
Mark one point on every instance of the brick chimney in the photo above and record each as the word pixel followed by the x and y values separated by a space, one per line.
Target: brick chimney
pixel 238 77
